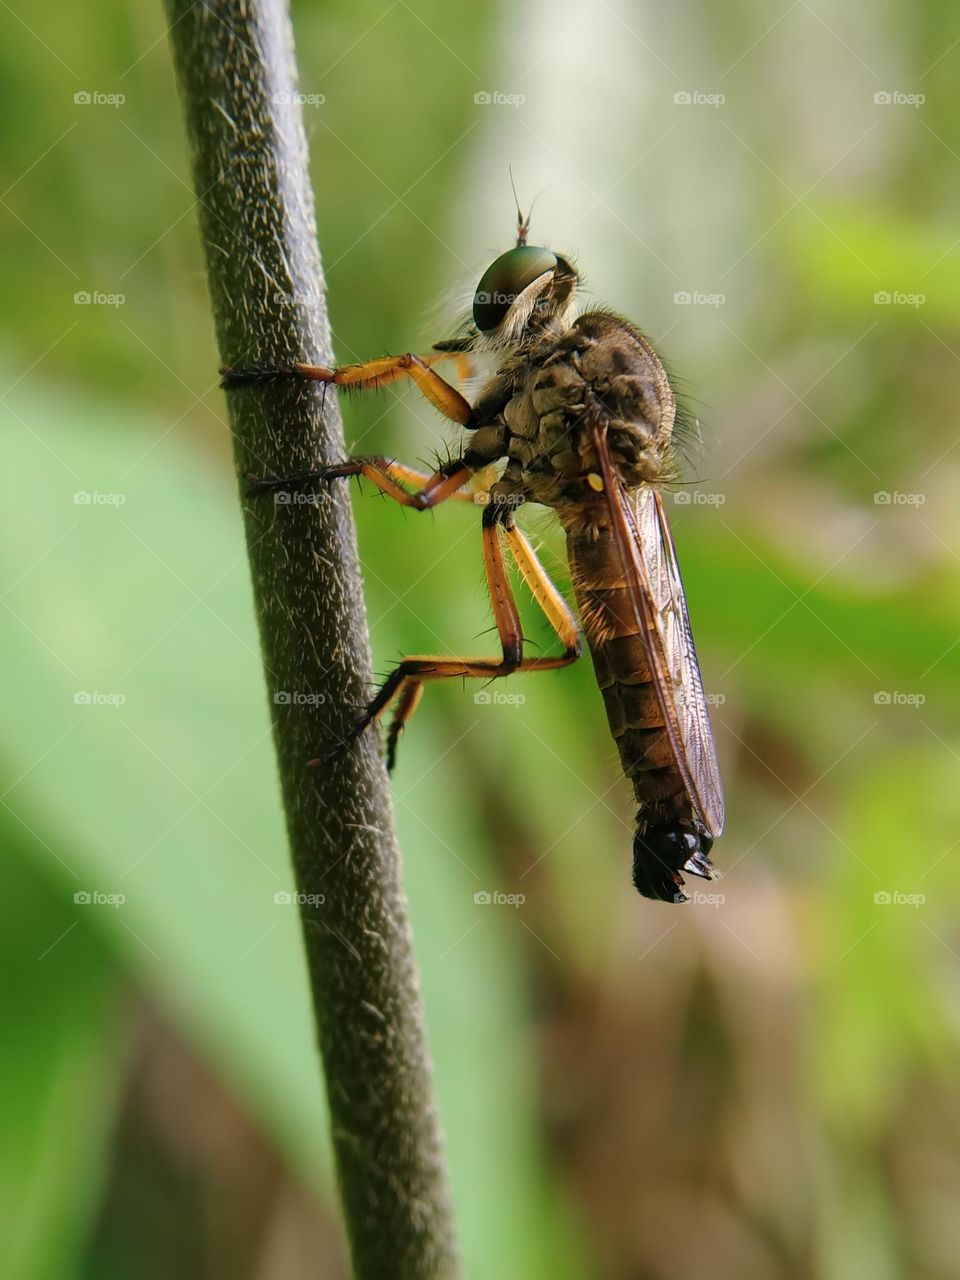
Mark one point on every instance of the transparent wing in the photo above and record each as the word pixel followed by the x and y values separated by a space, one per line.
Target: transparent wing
pixel 653 580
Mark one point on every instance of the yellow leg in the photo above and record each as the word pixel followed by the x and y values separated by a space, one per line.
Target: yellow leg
pixel 404 686
pixel 367 376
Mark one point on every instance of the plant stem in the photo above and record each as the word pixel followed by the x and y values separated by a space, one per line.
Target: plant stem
pixel 237 78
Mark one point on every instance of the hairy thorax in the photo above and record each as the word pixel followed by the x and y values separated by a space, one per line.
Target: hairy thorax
pixel 557 388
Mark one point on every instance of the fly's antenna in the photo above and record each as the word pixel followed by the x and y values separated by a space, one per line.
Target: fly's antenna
pixel 523 223
pixel 523 220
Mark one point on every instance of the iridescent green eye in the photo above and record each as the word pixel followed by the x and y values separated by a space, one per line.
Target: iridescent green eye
pixel 504 279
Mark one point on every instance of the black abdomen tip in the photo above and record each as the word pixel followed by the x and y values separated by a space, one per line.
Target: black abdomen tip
pixel 662 851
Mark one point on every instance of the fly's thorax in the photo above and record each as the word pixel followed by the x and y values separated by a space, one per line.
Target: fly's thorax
pixel 599 370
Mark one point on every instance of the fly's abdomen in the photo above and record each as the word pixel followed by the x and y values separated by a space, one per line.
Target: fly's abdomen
pixel 620 662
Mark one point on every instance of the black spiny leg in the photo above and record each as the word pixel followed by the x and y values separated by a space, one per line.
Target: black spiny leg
pixel 389 477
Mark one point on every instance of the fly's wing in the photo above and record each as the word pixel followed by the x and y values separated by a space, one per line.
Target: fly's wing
pixel 652 576
pixel 696 735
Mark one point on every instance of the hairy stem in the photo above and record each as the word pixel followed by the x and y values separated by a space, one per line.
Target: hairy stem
pixel 235 66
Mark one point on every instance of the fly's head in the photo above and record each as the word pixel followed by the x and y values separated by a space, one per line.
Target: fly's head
pixel 525 291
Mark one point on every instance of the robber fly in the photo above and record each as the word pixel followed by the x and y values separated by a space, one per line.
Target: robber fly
pixel 577 414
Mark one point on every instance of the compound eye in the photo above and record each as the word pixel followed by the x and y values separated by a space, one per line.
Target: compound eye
pixel 505 279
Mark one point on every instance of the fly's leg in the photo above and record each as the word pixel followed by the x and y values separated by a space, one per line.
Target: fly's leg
pixel 404 707
pixel 458 350
pixel 389 477
pixel 404 686
pixel 368 376
pixel 552 604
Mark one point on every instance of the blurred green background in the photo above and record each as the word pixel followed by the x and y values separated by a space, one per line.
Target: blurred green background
pixel 763 1084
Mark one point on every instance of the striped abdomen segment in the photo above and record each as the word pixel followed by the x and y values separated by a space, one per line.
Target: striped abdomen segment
pixel 623 673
